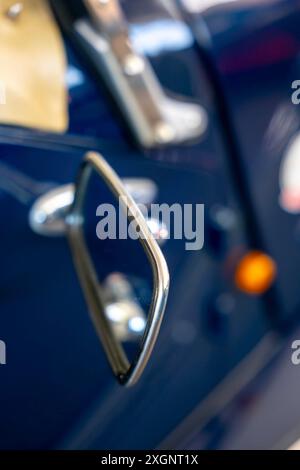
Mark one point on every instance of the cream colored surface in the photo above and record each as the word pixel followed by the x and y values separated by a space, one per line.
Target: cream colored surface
pixel 295 446
pixel 32 68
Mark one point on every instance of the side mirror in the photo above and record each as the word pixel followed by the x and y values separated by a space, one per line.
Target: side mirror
pixel 121 268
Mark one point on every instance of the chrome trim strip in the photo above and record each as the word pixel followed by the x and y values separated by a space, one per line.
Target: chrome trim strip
pixel 125 373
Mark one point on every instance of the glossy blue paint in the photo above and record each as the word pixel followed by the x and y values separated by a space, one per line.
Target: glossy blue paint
pixel 256 59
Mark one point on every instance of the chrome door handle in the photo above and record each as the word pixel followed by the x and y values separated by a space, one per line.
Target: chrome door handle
pixel 154 118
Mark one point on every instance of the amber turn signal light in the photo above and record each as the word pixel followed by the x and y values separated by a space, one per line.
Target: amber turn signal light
pixel 255 273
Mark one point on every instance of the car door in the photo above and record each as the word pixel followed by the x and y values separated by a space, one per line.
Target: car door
pixel 57 388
